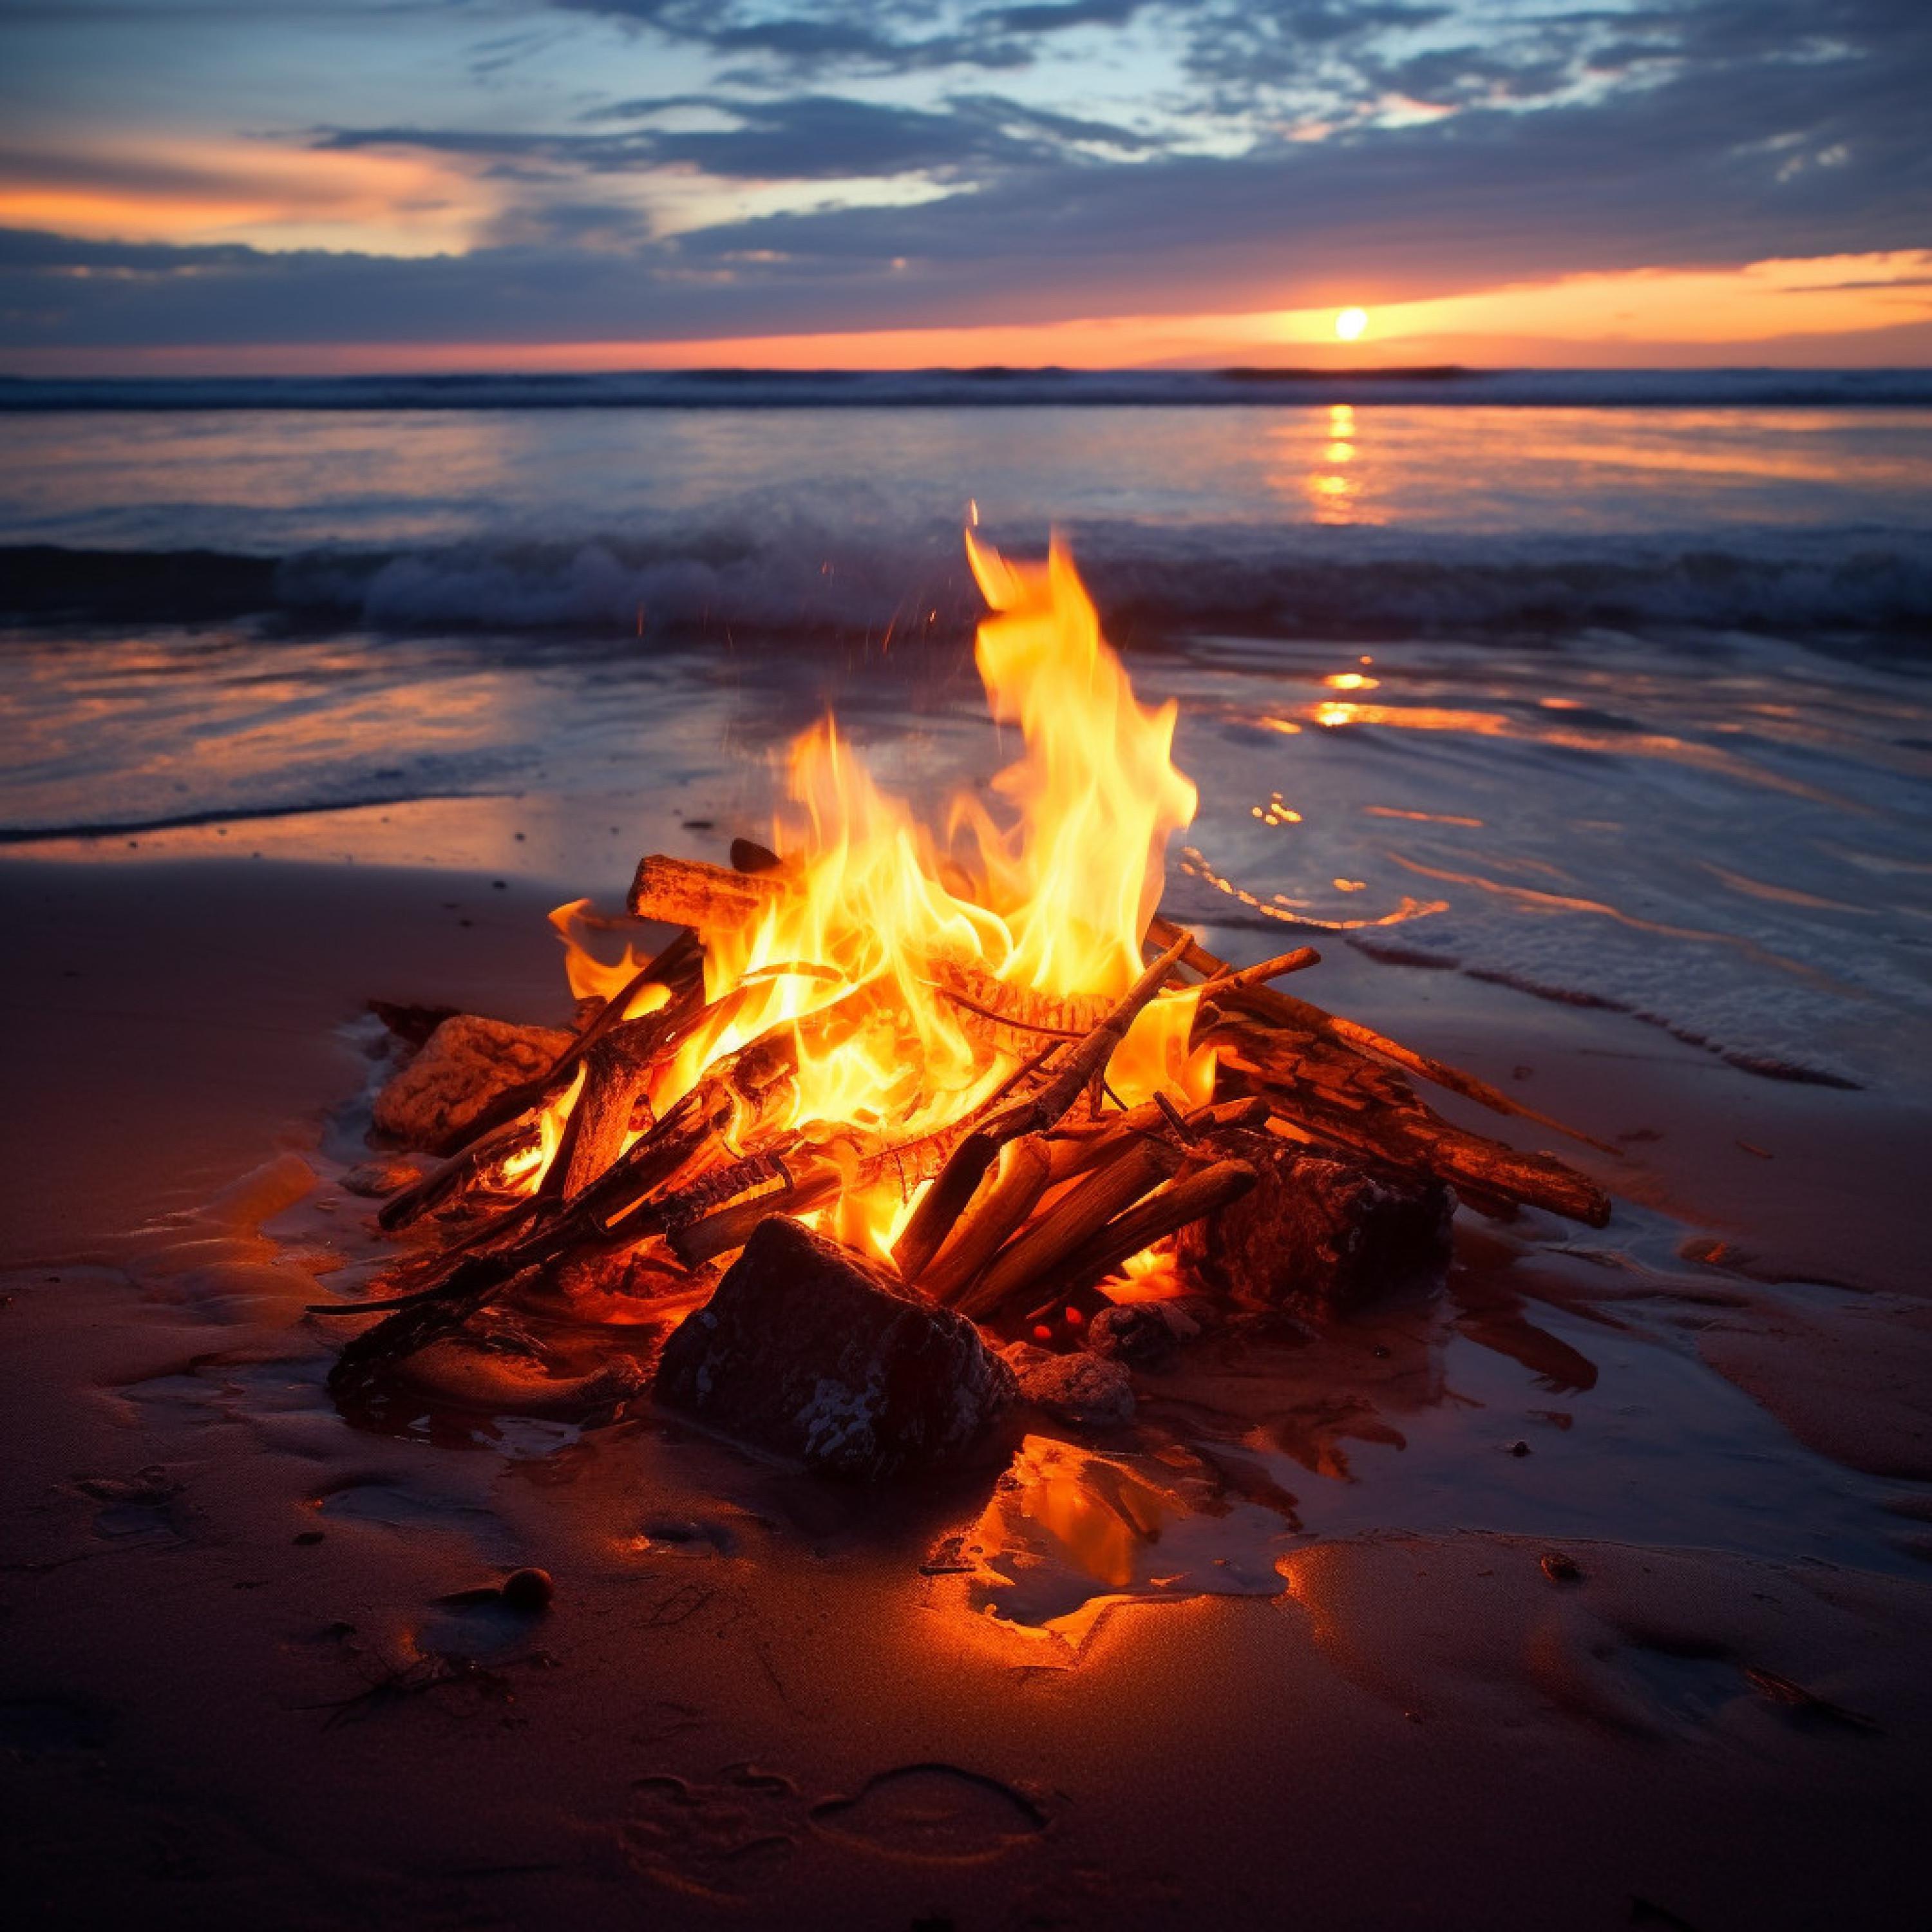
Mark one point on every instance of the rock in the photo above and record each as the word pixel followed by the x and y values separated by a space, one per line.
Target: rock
pixel 386 1174
pixel 529 1591
pixel 464 1065
pixel 457 1375
pixel 1088 1389
pixel 811 1350
pixel 1141 1333
pixel 1318 1236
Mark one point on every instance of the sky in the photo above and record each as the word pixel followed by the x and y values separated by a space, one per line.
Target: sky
pixel 268 186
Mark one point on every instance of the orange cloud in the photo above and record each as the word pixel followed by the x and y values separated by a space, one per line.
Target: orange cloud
pixel 192 192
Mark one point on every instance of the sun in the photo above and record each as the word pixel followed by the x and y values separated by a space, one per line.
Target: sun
pixel 1350 322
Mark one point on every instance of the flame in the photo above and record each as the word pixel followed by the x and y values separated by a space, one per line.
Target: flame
pixel 1152 1275
pixel 592 978
pixel 1044 910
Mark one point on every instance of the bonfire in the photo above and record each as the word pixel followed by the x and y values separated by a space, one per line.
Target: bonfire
pixel 948 1093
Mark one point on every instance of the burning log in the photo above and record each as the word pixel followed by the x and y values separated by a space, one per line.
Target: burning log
pixel 979 1233
pixel 806 1349
pixel 616 1074
pixel 1085 1211
pixel 1012 1019
pixel 708 899
pixel 1163 1212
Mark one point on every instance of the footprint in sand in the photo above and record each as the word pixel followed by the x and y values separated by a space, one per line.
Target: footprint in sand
pixel 933 1812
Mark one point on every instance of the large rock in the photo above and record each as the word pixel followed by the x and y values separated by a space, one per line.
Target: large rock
pixel 808 1349
pixel 464 1065
pixel 1318 1236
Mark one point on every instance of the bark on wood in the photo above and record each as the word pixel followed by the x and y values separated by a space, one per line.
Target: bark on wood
pixel 1082 1214
pixel 617 1070
pixel 1160 1214
pixel 1014 1019
pixel 1023 1179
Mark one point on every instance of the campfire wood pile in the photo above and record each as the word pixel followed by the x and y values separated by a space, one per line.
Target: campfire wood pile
pixel 1010 1101
pixel 1314 1174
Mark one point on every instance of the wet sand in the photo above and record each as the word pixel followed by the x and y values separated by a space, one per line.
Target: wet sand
pixel 1338 1684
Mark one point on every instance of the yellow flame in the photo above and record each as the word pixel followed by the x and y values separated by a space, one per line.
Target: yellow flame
pixel 1051 905
pixel 592 978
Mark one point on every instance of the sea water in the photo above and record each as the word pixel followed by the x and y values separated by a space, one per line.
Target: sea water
pixel 1611 687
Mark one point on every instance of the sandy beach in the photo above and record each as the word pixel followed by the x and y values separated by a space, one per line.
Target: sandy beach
pixel 966 967
pixel 241 1683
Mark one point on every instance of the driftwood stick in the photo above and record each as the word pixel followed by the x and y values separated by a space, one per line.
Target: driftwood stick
pixel 945 1201
pixel 1279 968
pixel 687 891
pixel 1194 955
pixel 1071 1221
pixel 1070 1075
pixel 1076 1155
pixel 1287 1011
pixel 415 1324
pixel 1024 1177
pixel 615 1076
pixel 816 1176
pixel 1163 1212
pixel 717 1233
pixel 457 1176
pixel 1311 1097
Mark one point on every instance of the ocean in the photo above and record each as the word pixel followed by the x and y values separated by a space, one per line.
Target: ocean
pixel 1611 686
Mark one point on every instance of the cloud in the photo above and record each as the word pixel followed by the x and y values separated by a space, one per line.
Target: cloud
pixel 858 36
pixel 1457 149
pixel 799 137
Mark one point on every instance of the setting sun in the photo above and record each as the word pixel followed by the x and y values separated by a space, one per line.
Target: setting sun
pixel 1350 322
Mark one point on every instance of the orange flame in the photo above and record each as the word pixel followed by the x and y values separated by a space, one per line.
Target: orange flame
pixel 883 919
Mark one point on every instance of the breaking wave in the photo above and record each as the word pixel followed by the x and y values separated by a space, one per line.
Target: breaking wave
pixel 1227 577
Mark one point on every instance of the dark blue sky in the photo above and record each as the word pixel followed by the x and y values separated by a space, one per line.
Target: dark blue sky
pixel 316 179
